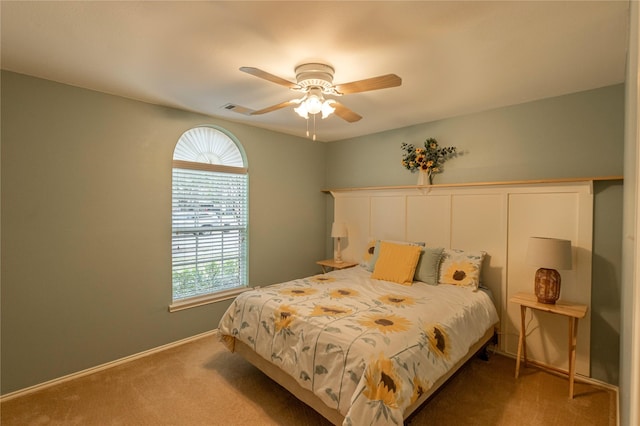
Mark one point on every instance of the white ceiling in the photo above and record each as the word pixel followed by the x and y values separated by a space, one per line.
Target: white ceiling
pixel 453 57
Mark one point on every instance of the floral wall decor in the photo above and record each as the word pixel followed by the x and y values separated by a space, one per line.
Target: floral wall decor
pixel 428 160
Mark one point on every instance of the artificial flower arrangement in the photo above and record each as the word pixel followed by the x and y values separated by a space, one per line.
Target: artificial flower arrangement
pixel 429 159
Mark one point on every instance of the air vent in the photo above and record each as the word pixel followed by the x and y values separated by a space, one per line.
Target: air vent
pixel 237 108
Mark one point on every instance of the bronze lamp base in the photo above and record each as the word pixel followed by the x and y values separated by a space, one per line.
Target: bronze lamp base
pixel 547 285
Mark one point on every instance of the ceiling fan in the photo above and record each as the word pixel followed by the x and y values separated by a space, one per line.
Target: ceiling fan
pixel 315 80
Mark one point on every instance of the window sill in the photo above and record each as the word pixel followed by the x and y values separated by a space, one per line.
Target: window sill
pixel 193 302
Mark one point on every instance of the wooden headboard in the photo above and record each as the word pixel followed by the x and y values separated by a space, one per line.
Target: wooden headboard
pixel 496 218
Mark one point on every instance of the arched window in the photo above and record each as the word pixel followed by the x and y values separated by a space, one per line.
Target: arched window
pixel 209 217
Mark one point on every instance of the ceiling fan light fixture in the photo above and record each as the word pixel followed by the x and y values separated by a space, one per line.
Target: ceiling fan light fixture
pixel 302 111
pixel 327 108
pixel 314 103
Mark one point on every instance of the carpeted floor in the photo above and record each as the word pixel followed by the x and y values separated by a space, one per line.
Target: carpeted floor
pixel 201 383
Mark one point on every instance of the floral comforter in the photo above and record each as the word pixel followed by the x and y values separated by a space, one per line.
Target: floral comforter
pixel 367 348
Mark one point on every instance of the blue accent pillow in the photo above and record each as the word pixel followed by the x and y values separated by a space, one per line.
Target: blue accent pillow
pixel 428 266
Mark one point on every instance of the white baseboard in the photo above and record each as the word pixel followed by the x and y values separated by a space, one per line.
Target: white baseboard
pixel 54 382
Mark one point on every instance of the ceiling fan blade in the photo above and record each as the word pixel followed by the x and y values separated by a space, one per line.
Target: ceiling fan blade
pixel 345 113
pixel 276 107
pixel 374 83
pixel 269 77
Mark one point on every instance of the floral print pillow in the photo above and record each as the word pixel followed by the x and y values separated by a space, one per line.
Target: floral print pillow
pixel 461 268
pixel 367 259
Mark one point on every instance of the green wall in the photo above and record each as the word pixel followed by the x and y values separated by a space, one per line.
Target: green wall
pixel 629 392
pixel 86 225
pixel 576 135
pixel 606 290
pixel 86 269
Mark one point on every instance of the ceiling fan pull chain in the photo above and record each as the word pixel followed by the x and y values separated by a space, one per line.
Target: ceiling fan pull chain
pixel 314 126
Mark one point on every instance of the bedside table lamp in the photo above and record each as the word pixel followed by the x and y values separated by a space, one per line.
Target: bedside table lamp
pixel 548 254
pixel 338 230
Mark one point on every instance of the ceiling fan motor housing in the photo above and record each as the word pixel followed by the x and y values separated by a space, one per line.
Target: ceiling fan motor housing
pixel 315 75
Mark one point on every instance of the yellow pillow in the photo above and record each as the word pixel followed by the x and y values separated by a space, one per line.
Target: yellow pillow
pixel 396 263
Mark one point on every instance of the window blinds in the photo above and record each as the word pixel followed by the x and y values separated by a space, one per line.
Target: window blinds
pixel 209 230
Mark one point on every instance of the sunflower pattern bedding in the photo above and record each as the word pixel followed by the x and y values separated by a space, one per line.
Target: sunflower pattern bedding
pixel 368 348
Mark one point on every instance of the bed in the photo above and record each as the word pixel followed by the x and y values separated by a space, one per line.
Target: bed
pixel 358 349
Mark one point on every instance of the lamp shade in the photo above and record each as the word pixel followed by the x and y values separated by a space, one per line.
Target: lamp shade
pixel 302 110
pixel 549 253
pixel 338 230
pixel 313 104
pixel 327 108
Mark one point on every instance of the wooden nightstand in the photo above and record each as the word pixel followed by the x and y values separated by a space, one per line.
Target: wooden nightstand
pixel 570 310
pixel 330 263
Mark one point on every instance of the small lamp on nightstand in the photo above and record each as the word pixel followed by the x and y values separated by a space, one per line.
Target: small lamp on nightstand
pixel 548 254
pixel 338 230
